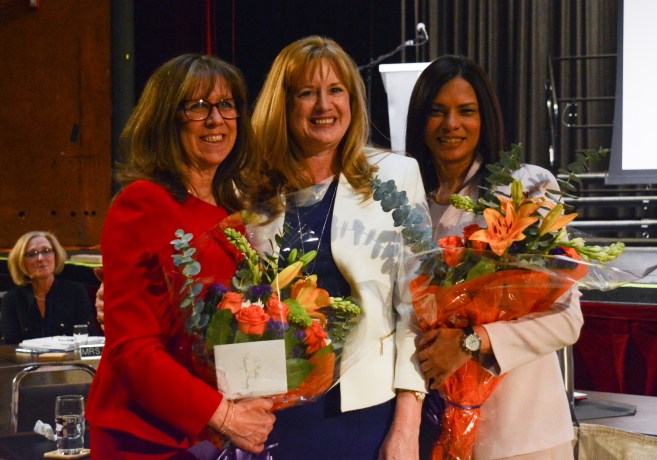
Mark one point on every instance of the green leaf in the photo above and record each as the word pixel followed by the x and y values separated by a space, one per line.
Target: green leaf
pixel 483 267
pixel 220 331
pixel 297 371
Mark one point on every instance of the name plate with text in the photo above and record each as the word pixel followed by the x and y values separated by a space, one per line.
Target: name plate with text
pixel 91 351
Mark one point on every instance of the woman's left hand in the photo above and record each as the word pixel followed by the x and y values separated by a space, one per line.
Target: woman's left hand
pixel 441 355
pixel 400 444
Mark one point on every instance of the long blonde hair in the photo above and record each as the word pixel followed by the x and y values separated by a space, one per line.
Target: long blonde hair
pixel 281 156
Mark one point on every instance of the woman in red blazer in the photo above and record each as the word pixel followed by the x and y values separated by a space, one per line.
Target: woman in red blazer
pixel 188 142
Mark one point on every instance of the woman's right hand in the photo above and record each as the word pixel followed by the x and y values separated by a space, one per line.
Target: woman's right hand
pixel 100 298
pixel 248 426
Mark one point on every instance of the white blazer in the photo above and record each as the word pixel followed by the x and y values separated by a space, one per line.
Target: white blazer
pixel 380 352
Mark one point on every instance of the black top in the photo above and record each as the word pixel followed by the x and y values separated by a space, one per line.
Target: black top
pixel 309 228
pixel 67 304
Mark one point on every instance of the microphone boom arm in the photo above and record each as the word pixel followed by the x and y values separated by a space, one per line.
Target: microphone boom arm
pixel 374 62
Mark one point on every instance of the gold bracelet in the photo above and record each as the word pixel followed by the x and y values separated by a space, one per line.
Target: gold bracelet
pixel 419 396
pixel 229 417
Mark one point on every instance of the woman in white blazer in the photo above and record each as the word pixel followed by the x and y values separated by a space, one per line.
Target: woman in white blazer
pixel 454 127
pixel 312 122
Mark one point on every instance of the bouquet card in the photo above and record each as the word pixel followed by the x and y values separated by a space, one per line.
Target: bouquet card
pixel 251 369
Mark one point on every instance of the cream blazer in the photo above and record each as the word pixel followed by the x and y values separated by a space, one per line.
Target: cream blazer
pixel 380 354
pixel 529 410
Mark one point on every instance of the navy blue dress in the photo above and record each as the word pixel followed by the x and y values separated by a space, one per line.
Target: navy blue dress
pixel 320 430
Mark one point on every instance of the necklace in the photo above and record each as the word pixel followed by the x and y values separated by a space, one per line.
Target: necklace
pixel 311 233
pixel 42 299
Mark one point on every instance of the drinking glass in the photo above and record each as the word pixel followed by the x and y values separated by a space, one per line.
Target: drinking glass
pixel 69 424
pixel 80 334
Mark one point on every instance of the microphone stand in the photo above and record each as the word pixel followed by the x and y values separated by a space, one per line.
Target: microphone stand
pixel 374 62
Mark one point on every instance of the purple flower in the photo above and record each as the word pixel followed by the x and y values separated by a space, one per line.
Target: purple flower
pixel 278 328
pixel 298 352
pixel 218 289
pixel 558 251
pixel 215 290
pixel 259 292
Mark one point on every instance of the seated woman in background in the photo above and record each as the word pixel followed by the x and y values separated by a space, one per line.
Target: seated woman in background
pixel 42 304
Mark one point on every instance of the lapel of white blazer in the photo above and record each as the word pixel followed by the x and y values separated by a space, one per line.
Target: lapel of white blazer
pixel 345 214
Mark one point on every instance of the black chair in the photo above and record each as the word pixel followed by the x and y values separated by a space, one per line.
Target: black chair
pixel 35 388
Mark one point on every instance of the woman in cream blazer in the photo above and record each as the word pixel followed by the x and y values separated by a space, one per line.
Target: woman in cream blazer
pixel 311 120
pixel 367 248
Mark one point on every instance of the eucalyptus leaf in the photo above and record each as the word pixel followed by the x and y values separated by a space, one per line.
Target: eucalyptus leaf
pixel 191 323
pixel 203 321
pixel 196 289
pixel 192 269
pixel 186 302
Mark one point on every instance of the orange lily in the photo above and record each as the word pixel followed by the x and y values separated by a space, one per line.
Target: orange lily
pixel 311 298
pixel 504 229
pixel 525 208
pixel 286 276
pixel 555 221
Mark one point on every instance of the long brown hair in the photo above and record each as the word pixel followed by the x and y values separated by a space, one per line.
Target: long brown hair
pixel 151 139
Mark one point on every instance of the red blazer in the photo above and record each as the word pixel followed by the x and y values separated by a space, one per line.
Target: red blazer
pixel 143 385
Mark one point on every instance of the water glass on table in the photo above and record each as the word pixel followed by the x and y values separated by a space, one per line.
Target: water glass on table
pixel 69 424
pixel 80 334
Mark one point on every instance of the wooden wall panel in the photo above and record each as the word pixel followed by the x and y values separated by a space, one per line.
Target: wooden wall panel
pixel 55 119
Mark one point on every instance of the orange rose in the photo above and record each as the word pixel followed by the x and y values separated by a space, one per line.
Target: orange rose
pixel 277 309
pixel 451 254
pixel 476 245
pixel 315 337
pixel 231 301
pixel 252 320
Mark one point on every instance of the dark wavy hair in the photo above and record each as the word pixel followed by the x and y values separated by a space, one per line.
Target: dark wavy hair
pixel 492 139
pixel 151 137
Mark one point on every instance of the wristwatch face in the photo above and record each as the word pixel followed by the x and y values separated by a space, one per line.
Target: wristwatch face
pixel 472 342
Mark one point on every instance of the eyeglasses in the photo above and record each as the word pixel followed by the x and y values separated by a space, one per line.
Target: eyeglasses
pixel 200 110
pixel 45 252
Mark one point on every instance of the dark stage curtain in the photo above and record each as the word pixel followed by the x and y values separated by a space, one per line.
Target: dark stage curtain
pixel 514 41
pixel 617 349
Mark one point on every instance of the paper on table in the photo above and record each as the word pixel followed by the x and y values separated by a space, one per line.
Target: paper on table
pixel 55 343
pixel 251 369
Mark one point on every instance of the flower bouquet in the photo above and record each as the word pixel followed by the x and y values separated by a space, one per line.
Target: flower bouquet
pixel 520 263
pixel 272 333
